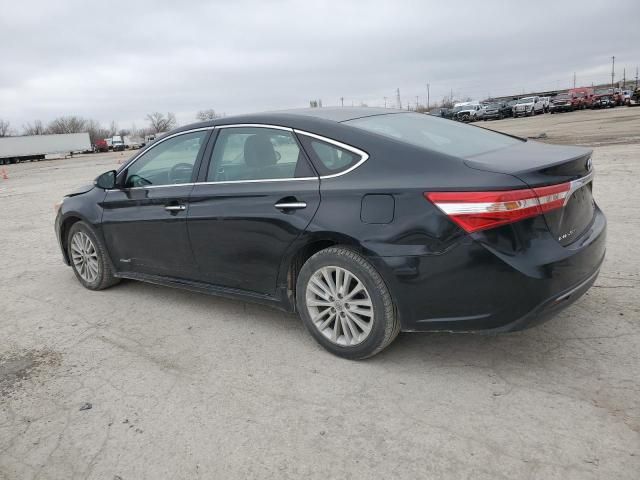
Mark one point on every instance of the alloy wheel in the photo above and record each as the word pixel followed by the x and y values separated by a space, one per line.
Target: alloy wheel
pixel 339 306
pixel 84 257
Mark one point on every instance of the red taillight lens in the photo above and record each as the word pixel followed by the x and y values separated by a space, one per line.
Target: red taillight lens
pixel 475 211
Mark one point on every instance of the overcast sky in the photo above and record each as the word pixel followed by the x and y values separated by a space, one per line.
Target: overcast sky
pixel 120 60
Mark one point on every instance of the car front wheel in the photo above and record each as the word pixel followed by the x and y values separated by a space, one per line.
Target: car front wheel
pixel 88 258
pixel 345 304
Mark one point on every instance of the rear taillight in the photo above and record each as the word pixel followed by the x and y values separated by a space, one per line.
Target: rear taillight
pixel 475 211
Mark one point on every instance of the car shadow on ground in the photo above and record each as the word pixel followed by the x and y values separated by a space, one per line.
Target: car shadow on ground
pixel 437 348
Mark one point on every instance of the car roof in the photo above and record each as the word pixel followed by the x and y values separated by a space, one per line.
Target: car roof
pixel 297 118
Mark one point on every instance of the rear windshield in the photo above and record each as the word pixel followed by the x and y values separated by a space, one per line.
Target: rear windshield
pixel 439 134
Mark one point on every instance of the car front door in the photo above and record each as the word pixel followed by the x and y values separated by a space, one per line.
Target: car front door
pixel 256 194
pixel 144 218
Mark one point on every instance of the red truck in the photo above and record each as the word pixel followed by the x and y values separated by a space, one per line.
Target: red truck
pixel 101 146
pixel 564 102
pixel 584 96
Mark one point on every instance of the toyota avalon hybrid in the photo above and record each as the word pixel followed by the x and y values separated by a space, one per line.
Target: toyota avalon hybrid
pixel 366 222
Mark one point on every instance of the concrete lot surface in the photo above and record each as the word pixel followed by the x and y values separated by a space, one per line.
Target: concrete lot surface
pixel 145 382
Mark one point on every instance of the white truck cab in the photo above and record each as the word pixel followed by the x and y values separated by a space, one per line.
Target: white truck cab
pixel 528 106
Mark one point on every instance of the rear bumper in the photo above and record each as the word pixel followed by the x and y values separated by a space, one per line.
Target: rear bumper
pixel 504 279
pixel 548 309
pixel 561 108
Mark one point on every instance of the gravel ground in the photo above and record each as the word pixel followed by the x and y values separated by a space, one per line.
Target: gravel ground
pixel 141 381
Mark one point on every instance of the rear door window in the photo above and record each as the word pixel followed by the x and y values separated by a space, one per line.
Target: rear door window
pixel 256 153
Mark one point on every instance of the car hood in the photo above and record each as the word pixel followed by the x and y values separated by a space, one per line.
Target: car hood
pixel 80 190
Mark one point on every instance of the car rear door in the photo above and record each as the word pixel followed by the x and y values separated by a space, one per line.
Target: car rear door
pixel 256 193
pixel 144 219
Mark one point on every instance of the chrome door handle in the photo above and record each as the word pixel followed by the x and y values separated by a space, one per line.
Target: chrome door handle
pixel 175 208
pixel 290 205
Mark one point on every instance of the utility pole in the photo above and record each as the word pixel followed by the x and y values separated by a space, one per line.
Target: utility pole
pixel 624 77
pixel 613 69
pixel 636 77
pixel 428 97
pixel 574 79
pixel 342 101
pixel 398 101
pixel 416 103
pixel 385 102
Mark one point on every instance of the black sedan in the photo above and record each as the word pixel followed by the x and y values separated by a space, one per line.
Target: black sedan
pixel 365 222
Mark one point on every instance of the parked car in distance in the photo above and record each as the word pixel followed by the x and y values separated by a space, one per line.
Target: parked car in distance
pixel 634 98
pixel 546 102
pixel 468 113
pixel 101 145
pixel 618 96
pixel 496 110
pixel 528 106
pixel 117 143
pixel 564 102
pixel 584 96
pixel 364 221
pixel 603 98
pixel 441 112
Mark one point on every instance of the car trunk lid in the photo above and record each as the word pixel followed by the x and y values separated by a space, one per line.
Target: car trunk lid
pixel 542 165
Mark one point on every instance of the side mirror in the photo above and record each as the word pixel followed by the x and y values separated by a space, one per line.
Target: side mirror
pixel 106 181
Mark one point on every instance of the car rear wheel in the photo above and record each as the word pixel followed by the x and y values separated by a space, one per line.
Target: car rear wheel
pixel 345 304
pixel 88 258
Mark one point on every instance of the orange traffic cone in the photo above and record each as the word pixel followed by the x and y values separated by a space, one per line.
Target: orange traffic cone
pixel 4 174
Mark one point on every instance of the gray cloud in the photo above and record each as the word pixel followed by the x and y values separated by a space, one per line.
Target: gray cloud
pixel 120 60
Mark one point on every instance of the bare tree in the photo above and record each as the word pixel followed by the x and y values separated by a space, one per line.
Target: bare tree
pixel 35 128
pixel 124 132
pixel 68 124
pixel 209 114
pixel 160 123
pixel 96 131
pixel 113 128
pixel 4 128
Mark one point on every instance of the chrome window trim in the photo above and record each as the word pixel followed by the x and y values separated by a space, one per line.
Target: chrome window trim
pixel 261 180
pixel 254 125
pixel 575 185
pixel 364 156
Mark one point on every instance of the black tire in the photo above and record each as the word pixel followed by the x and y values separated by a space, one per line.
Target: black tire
pixel 385 324
pixel 105 277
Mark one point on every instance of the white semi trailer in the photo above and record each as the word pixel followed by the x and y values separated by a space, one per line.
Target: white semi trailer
pixel 36 147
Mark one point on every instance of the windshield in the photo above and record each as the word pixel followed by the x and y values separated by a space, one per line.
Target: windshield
pixel 492 106
pixel 433 133
pixel 526 100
